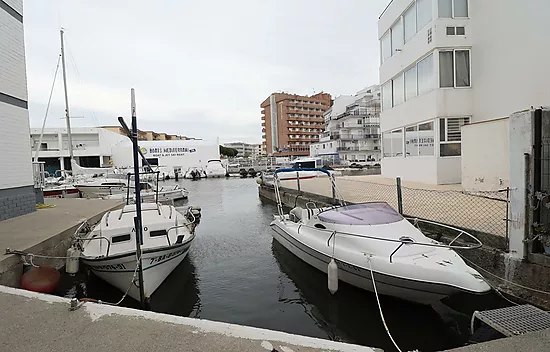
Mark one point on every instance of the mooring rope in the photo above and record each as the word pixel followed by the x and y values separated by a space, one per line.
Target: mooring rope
pixel 503 279
pixel 380 307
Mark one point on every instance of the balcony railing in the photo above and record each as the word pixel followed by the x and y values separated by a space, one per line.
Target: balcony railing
pixel 356 149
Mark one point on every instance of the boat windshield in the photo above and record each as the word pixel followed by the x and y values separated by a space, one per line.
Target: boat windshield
pixel 362 214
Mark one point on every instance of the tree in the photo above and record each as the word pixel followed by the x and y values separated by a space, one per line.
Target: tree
pixel 228 151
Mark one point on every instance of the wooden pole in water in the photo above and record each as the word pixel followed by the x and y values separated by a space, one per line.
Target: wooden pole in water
pixel 137 219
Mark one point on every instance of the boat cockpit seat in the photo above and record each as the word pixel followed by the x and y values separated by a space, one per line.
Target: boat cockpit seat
pixel 296 214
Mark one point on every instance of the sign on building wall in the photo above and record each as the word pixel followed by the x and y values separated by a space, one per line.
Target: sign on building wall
pixel 166 151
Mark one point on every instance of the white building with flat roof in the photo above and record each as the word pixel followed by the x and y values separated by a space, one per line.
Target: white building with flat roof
pixel 447 63
pixel 17 195
pixel 92 147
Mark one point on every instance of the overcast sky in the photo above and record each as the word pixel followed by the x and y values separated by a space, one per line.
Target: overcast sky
pixel 200 68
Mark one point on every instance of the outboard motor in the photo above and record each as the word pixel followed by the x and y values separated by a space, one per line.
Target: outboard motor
pixel 193 215
pixel 252 172
pixel 243 173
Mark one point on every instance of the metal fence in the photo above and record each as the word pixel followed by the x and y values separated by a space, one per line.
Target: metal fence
pixel 481 212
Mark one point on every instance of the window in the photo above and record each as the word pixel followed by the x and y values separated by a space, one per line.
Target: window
pixel 456 31
pixel 419 139
pixel 462 61
pixel 423 13
pixel 43 146
pixel 425 75
pixel 386 46
pixel 460 8
pixel 397 36
pixel 446 72
pixel 450 135
pixel 445 8
pixel 410 83
pixel 398 90
pixel 411 140
pixel 120 238
pixel 409 19
pixel 393 143
pixel 454 69
pixel 158 233
pixel 387 100
pixel 452 8
pixel 426 138
pixel 359 121
pixel 397 142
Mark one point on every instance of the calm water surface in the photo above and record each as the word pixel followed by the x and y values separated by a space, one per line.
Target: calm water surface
pixel 237 273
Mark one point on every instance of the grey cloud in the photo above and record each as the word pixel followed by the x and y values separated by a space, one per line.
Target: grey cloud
pixel 199 66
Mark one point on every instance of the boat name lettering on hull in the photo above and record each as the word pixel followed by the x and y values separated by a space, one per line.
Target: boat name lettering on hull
pixel 110 267
pixel 164 257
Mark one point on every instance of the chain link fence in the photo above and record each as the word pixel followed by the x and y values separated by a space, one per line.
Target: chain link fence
pixel 480 212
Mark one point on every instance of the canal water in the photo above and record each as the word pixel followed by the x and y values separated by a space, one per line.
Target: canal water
pixel 237 273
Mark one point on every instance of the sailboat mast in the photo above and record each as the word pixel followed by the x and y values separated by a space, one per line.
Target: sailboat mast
pixel 67 115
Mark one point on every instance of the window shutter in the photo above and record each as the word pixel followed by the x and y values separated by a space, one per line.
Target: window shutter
pixel 453 128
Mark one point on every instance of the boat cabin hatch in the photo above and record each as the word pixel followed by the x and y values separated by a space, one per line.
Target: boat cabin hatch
pixel 377 213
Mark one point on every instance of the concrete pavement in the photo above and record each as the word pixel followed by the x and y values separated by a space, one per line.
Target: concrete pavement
pixel 532 342
pixel 37 322
pixel 47 231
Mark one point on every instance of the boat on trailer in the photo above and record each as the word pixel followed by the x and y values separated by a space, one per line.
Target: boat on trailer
pixel 370 241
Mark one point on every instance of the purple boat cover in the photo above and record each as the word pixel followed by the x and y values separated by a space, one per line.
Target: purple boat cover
pixel 362 214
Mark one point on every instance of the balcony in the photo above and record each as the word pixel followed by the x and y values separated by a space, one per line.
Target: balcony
pixel 310 119
pixel 356 149
pixel 263 117
pixel 263 130
pixel 262 112
pixel 355 137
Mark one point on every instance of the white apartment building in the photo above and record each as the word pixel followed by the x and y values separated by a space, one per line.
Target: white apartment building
pixel 352 129
pixel 17 195
pixel 244 149
pixel 448 63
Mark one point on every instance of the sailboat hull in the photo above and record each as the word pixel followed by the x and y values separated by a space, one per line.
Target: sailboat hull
pixel 157 265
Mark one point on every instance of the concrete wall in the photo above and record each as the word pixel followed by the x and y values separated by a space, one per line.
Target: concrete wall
pixel 486 155
pixel 509 56
pixel 417 169
pixel 521 142
pixel 16 184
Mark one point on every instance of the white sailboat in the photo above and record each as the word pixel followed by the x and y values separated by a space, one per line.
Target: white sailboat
pixel 109 249
pixel 356 243
pixel 143 241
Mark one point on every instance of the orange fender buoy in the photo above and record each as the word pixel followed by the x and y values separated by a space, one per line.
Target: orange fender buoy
pixel 42 279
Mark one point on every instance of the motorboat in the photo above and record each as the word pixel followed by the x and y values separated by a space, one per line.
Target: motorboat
pixel 60 191
pixel 194 173
pixel 109 248
pixel 150 194
pixel 373 241
pixel 306 163
pixel 215 168
pixel 102 187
